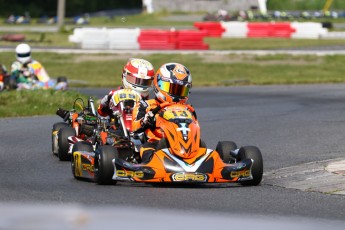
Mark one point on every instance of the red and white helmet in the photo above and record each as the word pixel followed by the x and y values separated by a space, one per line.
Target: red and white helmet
pixel 172 83
pixel 23 53
pixel 138 75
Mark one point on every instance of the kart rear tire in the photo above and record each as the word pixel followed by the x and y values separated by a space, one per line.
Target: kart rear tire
pixel 56 127
pixel 252 152
pixel 224 148
pixel 61 79
pixel 13 84
pixel 63 143
pixel 202 144
pixel 104 169
pixel 79 146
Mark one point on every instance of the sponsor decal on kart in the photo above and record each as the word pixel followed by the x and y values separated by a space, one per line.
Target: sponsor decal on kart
pixel 197 177
pixel 243 173
pixel 88 167
pixel 124 173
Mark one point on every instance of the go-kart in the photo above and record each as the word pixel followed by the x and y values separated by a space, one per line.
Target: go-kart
pixel 182 157
pixel 37 78
pixel 4 78
pixel 65 134
pixel 108 135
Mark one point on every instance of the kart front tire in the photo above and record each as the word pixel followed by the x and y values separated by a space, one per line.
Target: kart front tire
pixel 224 148
pixel 104 169
pixel 82 146
pixel 252 152
pixel 63 143
pixel 79 146
pixel 56 127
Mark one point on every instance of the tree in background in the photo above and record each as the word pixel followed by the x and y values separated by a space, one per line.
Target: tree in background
pixel 38 8
pixel 303 5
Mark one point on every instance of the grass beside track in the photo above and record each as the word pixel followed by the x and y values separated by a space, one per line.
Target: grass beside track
pixel 104 70
pixel 36 102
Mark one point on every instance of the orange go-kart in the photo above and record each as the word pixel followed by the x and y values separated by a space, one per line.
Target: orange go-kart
pixel 182 157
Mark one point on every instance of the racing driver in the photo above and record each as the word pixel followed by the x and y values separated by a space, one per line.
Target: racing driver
pixel 137 75
pixel 172 83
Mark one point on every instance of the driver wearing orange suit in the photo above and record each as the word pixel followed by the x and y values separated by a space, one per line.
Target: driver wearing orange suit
pixel 172 83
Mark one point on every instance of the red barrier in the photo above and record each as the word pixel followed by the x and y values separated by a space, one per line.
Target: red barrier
pixel 258 29
pixel 157 39
pixel 169 40
pixel 261 30
pixel 214 29
pixel 282 29
pixel 191 39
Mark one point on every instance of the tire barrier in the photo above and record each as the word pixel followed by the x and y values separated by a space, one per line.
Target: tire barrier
pixel 213 29
pixel 148 39
pixel 157 39
pixel 191 40
pixel 307 30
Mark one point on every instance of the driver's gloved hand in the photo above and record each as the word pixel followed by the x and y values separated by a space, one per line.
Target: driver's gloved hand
pixel 149 119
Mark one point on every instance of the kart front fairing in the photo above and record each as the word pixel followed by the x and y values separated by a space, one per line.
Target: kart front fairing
pixel 206 167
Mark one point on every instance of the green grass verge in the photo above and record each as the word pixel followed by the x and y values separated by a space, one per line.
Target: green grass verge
pixel 36 102
pixel 104 70
pixel 268 43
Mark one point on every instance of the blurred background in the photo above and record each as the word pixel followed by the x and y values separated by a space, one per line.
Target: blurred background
pixel 82 39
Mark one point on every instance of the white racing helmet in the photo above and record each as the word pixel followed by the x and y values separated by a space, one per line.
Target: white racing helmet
pixel 23 53
pixel 138 75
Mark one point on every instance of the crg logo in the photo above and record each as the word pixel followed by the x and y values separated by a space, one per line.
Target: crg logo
pixel 244 173
pixel 179 177
pixel 123 173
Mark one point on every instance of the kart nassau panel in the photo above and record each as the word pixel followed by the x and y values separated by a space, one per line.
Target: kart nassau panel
pixel 84 164
pixel 124 100
pixel 206 166
pixel 180 130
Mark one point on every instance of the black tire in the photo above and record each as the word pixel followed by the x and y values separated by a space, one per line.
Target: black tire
pixel 61 79
pixel 82 146
pixel 56 127
pixel 104 169
pixel 202 144
pixel 13 83
pixel 63 144
pixel 224 148
pixel 253 152
pixel 79 146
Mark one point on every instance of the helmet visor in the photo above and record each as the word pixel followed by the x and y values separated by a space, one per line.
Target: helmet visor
pixel 23 55
pixel 144 82
pixel 174 89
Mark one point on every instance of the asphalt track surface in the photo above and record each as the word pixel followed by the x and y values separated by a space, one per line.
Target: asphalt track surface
pixel 292 125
